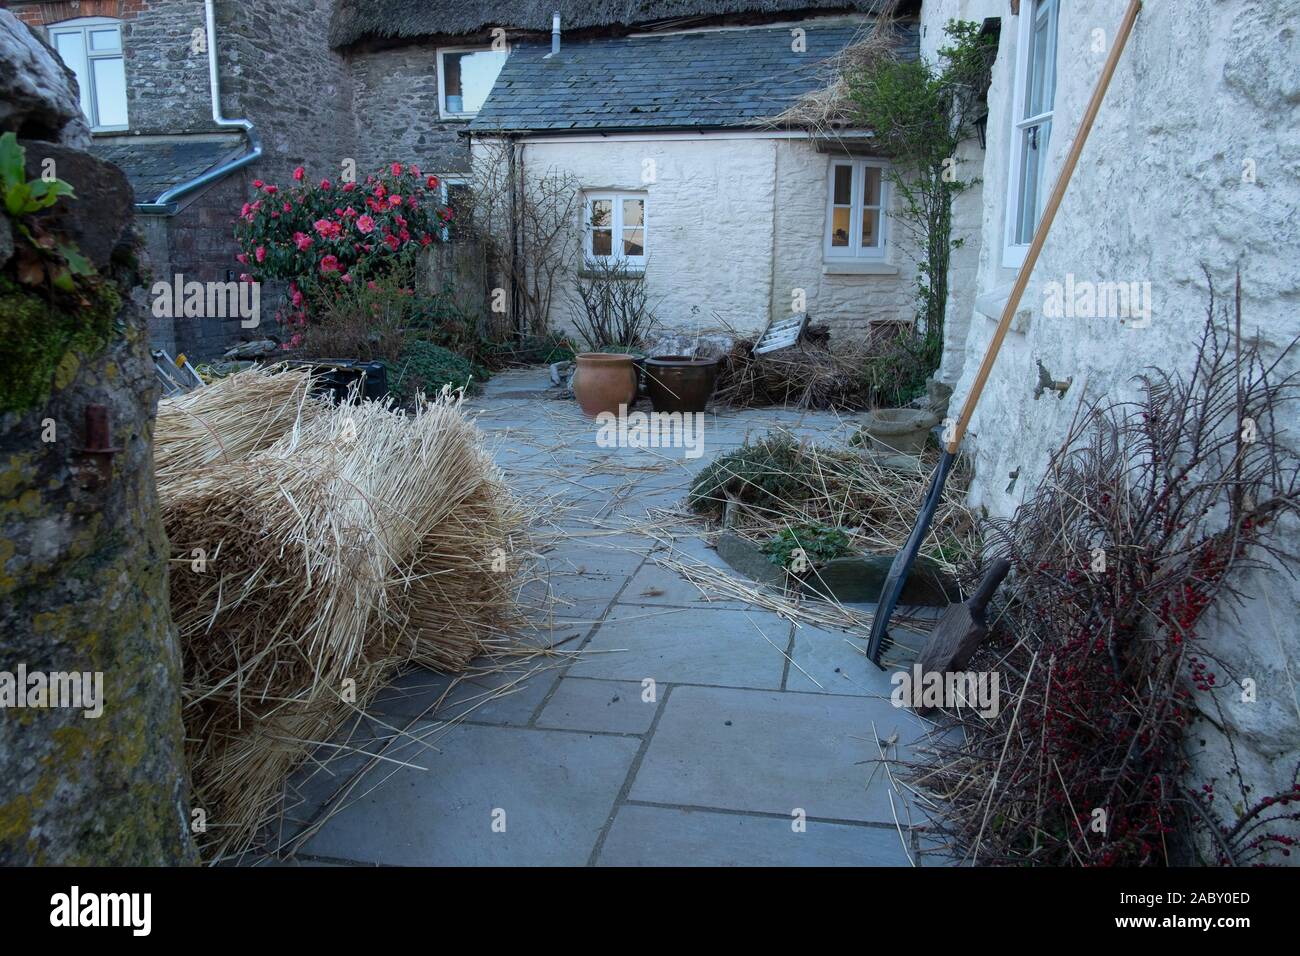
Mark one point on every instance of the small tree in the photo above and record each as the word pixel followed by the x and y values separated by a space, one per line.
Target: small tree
pixel 920 114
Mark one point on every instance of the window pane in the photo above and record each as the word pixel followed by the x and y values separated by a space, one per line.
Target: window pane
pixel 602 213
pixel 843 186
pixel 72 51
pixel 602 242
pixel 871 190
pixel 468 78
pixel 633 242
pixel 633 212
pixel 1033 149
pixel 870 228
pixel 1042 62
pixel 105 40
pixel 110 90
pixel 840 226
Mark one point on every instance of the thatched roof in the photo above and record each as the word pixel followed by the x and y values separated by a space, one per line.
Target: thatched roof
pixel 355 20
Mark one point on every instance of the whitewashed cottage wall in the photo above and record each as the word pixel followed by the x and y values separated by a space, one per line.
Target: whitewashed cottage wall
pixel 1205 92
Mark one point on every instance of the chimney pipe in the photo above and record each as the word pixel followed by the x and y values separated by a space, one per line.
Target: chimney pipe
pixel 555 33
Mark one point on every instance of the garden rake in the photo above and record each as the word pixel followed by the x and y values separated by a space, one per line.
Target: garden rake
pixel 903 561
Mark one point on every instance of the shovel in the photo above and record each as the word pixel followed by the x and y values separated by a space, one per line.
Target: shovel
pixel 905 558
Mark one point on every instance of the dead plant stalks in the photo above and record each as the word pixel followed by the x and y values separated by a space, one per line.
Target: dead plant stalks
pixel 1145 520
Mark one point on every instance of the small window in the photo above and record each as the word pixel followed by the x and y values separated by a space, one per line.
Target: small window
pixel 856 209
pixel 92 48
pixel 616 228
pixel 1035 91
pixel 454 193
pixel 465 78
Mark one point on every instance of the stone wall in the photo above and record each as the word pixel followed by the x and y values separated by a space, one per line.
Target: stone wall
pixel 733 225
pixel 83 555
pixel 1191 162
pixel 395 102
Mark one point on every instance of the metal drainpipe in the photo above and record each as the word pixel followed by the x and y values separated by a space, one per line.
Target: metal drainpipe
pixel 166 203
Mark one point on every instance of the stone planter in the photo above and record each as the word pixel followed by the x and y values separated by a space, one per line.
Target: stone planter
pixel 678 383
pixel 896 431
pixel 602 382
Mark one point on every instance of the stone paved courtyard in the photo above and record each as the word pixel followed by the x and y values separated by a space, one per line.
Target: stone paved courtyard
pixel 661 728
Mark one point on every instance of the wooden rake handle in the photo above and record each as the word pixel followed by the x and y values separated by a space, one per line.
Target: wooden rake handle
pixel 1045 223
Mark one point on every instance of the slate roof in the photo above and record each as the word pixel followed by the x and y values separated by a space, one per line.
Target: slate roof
pixel 155 164
pixel 704 80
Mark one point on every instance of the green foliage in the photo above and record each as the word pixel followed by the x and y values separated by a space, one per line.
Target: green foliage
pixel 921 113
pixel 425 367
pixel 22 198
pixel 818 542
pixel 765 474
pixel 46 258
pixel 896 374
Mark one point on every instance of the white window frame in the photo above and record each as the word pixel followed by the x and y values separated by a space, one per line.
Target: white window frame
pixel 443 112
pixel 855 250
pixel 616 196
pixel 1013 252
pixel 82 26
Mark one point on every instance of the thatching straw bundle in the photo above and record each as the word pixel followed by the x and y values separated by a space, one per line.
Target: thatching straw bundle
pixel 229 419
pixel 308 573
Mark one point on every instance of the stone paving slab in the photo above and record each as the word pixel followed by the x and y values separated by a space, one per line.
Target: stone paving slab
pixel 767 752
pixel 607 706
pixel 664 836
pixel 706 646
pixel 655 585
pixel 523 688
pixel 556 789
pixel 837 661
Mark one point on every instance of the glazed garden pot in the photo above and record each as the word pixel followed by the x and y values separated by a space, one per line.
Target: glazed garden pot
pixel 679 383
pixel 603 381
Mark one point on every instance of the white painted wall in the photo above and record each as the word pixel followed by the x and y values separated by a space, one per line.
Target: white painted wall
pixel 733 225
pixel 1204 86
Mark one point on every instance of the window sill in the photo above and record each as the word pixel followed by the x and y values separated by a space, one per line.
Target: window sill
pixel 629 272
pixel 859 269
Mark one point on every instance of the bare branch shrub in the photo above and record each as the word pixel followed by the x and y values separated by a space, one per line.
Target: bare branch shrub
pixel 615 306
pixel 1145 519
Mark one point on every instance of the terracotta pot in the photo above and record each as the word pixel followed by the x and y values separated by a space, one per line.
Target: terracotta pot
pixel 603 381
pixel 679 383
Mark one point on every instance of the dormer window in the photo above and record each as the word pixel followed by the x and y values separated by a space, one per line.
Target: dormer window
pixel 91 47
pixel 465 77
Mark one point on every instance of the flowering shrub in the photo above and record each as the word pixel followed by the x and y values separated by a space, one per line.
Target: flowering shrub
pixel 322 237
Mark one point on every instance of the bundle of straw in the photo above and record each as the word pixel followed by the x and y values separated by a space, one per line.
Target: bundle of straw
pixel 308 573
pixel 229 419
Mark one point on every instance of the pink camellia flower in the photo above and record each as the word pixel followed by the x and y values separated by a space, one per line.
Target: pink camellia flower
pixel 288 206
pixel 372 284
pixel 380 191
pixel 392 241
pixel 394 200
pixel 247 211
pixel 298 174
pixel 296 299
pixel 329 264
pixel 272 190
pixel 327 229
pixel 414 170
pixel 432 182
pixel 302 241
pixel 346 277
pixel 245 277
pixel 348 187
pixel 425 240
pixel 242 259
pixel 258 184
pixel 397 169
pixel 365 224
pixel 324 184
pixel 349 213
pixel 260 253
